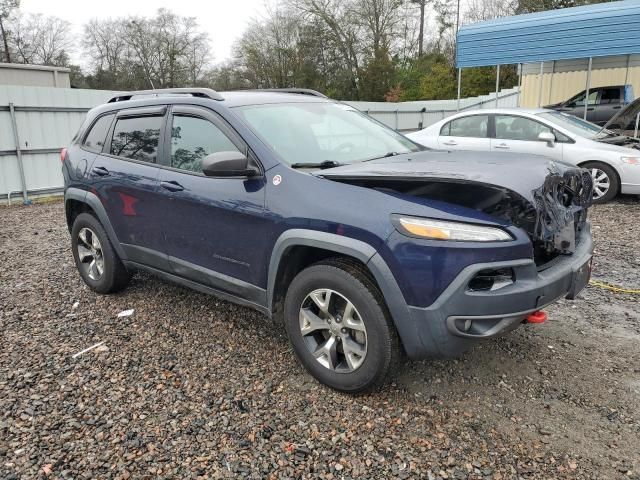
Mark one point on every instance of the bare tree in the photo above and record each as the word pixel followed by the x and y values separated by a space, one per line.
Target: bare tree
pixel 6 9
pixel 479 10
pixel 166 50
pixel 42 40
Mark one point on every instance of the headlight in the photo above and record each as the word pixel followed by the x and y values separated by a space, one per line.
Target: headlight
pixel 443 230
pixel 631 160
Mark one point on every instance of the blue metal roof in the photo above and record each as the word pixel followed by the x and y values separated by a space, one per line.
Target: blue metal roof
pixel 579 32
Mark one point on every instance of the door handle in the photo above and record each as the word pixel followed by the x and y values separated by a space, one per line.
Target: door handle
pixel 617 107
pixel 100 171
pixel 450 142
pixel 502 146
pixel 172 186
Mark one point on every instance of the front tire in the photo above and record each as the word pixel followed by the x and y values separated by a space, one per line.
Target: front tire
pixel 339 326
pixel 96 260
pixel 605 181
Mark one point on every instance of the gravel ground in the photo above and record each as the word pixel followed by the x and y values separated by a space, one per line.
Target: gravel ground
pixel 193 387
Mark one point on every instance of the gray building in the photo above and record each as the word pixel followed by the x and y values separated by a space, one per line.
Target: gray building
pixel 34 75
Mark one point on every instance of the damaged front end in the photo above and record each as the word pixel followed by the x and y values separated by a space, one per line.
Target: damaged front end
pixel 551 207
pixel 561 205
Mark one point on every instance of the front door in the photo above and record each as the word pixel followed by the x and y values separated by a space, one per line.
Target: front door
pixel 520 135
pixel 466 133
pixel 214 228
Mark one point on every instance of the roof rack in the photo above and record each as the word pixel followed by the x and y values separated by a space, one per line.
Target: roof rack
pixel 300 91
pixel 194 92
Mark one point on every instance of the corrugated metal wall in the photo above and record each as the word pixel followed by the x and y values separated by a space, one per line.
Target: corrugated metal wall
pixel 564 78
pixel 603 29
pixel 47 118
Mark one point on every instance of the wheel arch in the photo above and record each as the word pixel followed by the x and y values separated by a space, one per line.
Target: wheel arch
pixel 78 201
pixel 298 248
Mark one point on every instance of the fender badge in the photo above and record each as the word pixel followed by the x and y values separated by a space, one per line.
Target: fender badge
pixel 277 180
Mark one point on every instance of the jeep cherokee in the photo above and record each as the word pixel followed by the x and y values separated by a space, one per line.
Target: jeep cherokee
pixel 367 246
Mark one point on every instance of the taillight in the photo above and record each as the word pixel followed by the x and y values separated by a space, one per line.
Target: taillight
pixel 63 155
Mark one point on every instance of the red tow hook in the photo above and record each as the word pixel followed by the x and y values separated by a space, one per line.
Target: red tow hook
pixel 537 317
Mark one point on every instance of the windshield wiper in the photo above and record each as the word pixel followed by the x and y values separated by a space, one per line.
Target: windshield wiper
pixel 324 164
pixel 386 155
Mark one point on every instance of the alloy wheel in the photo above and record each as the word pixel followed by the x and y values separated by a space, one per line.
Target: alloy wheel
pixel 333 330
pixel 90 253
pixel 601 183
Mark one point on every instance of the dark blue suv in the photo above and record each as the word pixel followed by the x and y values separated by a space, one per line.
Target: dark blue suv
pixel 365 245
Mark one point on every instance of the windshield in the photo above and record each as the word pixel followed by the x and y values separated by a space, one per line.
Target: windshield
pixel 573 124
pixel 316 133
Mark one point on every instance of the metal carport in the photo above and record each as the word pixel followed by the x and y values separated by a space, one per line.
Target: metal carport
pixel 603 29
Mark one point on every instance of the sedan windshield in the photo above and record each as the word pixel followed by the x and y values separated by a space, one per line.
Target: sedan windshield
pixel 573 124
pixel 323 134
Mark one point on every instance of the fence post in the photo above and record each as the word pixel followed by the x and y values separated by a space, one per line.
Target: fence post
pixel 497 83
pixel 396 119
pixel 586 93
pixel 16 137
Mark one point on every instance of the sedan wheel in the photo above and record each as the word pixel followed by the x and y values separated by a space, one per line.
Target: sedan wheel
pixel 601 183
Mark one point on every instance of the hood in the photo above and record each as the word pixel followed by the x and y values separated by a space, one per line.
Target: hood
pixel 547 199
pixel 522 174
pixel 625 118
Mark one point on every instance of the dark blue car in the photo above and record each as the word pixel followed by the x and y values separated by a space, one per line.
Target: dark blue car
pixel 365 245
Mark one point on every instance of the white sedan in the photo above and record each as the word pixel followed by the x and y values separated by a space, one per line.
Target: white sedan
pixel 615 169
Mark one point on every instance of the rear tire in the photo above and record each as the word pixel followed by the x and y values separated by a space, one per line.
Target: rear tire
pixel 605 181
pixel 350 344
pixel 96 260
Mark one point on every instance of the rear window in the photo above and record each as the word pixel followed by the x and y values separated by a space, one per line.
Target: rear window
pixel 610 95
pixel 136 138
pixel 95 139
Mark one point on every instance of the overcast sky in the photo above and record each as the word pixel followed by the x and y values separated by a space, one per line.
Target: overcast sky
pixel 224 20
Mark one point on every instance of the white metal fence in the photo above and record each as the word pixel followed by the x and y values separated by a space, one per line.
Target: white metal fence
pixel 411 116
pixel 36 122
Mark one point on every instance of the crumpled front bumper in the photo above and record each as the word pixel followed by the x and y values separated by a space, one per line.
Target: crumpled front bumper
pixel 460 317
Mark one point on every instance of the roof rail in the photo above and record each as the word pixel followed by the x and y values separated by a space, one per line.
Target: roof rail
pixel 194 92
pixel 300 91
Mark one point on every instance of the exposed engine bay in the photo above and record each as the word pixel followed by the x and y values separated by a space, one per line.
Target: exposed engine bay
pixel 624 139
pixel 552 216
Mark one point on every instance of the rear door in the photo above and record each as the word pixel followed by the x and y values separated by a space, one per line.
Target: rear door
pixel 124 175
pixel 519 134
pixel 470 132
pixel 610 102
pixel 215 228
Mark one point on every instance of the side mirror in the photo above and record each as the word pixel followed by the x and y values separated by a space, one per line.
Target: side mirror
pixel 227 164
pixel 547 137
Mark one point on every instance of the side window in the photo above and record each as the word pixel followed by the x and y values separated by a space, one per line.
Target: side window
pixel 509 127
pixel 94 141
pixel 194 138
pixel 446 129
pixel 471 126
pixel 136 138
pixel 610 95
pixel 593 98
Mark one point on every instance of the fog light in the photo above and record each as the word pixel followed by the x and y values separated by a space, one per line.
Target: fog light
pixel 492 279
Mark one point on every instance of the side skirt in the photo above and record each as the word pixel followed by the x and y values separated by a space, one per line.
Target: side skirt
pixel 199 287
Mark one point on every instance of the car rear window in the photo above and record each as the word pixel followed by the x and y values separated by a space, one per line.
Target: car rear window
pixel 94 141
pixel 136 138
